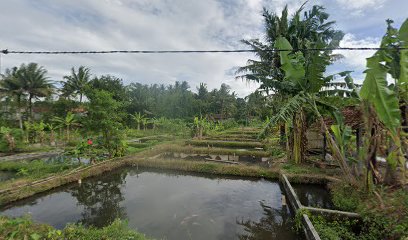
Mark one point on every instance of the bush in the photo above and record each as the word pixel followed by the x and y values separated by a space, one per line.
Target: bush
pixel 10 139
pixel 24 228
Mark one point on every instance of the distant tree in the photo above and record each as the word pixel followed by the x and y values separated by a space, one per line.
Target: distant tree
pixel 34 82
pixel 67 122
pixel 102 118
pixel 111 84
pixel 76 83
pixel 139 118
pixel 10 86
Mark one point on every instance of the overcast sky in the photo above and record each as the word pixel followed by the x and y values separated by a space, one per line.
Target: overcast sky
pixel 172 25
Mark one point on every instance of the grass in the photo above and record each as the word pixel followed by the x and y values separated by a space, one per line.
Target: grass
pixel 384 213
pixel 208 167
pixel 225 144
pixel 235 136
pixel 220 151
pixel 230 139
pixel 28 171
pixel 24 228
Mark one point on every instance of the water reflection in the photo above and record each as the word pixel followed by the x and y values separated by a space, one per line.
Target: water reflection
pixel 167 205
pixel 275 224
pixel 313 195
pixel 101 200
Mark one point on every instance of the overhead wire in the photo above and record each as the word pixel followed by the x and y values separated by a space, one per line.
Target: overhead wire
pixel 6 51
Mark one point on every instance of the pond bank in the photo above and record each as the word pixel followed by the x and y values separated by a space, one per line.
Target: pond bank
pixel 146 159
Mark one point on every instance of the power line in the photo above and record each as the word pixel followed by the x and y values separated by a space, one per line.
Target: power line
pixel 6 51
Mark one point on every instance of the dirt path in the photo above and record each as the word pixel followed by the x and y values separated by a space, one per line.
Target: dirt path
pixel 30 156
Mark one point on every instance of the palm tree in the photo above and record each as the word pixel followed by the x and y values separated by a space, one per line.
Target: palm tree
pixel 77 82
pixel 69 121
pixel 34 83
pixel 12 87
pixel 313 30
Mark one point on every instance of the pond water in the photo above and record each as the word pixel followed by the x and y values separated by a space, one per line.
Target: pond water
pixel 313 195
pixel 168 205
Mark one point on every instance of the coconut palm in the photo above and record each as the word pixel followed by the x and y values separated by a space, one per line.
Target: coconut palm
pixel 10 86
pixel 34 82
pixel 76 82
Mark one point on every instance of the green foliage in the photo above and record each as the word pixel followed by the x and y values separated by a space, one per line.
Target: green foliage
pixel 35 168
pixel 292 63
pixel 104 118
pixel 76 83
pixel 24 228
pixel 298 218
pixel 345 197
pixel 10 139
pixel 337 230
pixel 384 212
pixel 375 90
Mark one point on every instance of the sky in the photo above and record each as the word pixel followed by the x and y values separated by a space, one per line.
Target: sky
pixel 78 25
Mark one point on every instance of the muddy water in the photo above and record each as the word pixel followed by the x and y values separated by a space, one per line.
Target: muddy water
pixel 313 195
pixel 168 205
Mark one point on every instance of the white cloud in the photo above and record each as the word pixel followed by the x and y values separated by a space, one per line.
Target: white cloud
pixel 140 25
pixel 357 59
pixel 151 25
pixel 359 6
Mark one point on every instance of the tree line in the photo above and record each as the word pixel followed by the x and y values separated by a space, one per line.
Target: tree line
pixel 26 89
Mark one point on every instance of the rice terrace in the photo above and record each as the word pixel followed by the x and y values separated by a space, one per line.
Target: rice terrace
pixel 216 119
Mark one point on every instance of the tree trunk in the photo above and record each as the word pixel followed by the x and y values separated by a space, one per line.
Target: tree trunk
pixel 52 138
pixel 299 137
pixel 80 98
pixel 282 135
pixel 336 153
pixel 19 116
pixel 67 134
pixel 289 141
pixel 30 106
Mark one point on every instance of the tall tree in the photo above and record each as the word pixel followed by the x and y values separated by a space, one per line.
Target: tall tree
pixel 313 30
pixel 35 84
pixel 11 86
pixel 77 82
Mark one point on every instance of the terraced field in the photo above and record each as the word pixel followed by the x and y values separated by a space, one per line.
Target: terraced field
pixel 237 146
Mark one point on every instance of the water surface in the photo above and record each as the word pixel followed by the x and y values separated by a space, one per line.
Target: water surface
pixel 314 195
pixel 167 205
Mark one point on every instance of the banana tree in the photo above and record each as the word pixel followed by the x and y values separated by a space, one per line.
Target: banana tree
pixel 67 122
pixel 39 131
pixel 145 122
pixel 199 124
pixel 384 102
pixel 8 136
pixel 138 118
pixel 304 74
pixel 51 127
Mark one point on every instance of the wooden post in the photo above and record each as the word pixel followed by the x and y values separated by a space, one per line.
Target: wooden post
pixel 324 146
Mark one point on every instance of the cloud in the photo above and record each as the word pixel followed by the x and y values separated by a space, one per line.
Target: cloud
pixel 153 25
pixel 359 6
pixel 357 59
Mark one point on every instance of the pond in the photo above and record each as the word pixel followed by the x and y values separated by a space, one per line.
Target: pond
pixel 313 195
pixel 168 205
